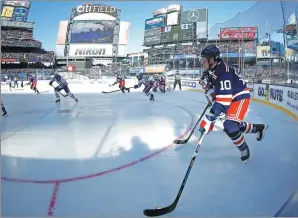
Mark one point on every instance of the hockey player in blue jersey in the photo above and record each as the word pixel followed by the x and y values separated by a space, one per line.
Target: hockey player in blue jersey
pixel 230 98
pixel 148 83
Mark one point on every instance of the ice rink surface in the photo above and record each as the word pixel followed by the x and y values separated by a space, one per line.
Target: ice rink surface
pixel 112 155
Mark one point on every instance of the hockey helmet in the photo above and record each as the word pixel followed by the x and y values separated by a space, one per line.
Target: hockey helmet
pixel 57 76
pixel 210 51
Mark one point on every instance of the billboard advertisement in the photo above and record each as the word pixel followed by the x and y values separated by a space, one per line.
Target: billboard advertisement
pixel 152 36
pixel 90 50
pixel 194 16
pixel 124 33
pixel 173 8
pixel 20 14
pixel 13 13
pixel 172 18
pixel 92 32
pixel 291 32
pixel 25 4
pixel 238 33
pixel 263 51
pixel 61 37
pixel 159 11
pixel 7 12
pixel 157 21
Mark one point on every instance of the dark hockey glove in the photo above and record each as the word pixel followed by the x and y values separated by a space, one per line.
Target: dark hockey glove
pixel 136 86
pixel 50 83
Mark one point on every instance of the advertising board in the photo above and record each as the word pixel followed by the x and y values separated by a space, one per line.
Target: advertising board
pixel 20 14
pixel 124 33
pixel 261 91
pixel 7 12
pixel 251 88
pixel 172 18
pixel 291 99
pixel 174 8
pixel 194 16
pixel 62 30
pixel 92 31
pixel 136 70
pixel 90 50
pixel 25 4
pixel 157 21
pixel 152 36
pixel 159 11
pixel 155 69
pixel 238 33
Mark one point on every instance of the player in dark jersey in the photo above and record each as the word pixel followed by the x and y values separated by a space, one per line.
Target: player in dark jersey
pixel 230 98
pixel 3 110
pixel 33 82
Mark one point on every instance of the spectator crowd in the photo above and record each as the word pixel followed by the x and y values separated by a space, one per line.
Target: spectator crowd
pixel 30 57
pixel 224 46
pixel 16 34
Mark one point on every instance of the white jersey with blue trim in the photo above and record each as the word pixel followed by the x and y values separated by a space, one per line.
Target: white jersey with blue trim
pixel 143 81
pixel 61 82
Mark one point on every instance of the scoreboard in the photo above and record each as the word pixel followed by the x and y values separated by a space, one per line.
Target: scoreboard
pixel 183 32
pixel 170 34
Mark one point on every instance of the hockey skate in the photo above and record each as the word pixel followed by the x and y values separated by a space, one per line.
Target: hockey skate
pixel 152 97
pixel 261 130
pixel 245 152
pixel 5 114
pixel 76 100
pixel 57 101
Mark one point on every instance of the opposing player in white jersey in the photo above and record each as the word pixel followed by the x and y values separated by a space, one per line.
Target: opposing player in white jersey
pixel 62 84
pixel 147 82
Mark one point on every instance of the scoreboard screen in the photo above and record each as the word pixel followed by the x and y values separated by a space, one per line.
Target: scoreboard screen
pixel 183 32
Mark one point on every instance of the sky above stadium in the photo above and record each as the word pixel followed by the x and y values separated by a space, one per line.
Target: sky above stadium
pixel 47 16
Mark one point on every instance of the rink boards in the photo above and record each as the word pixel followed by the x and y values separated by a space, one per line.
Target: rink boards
pixel 282 97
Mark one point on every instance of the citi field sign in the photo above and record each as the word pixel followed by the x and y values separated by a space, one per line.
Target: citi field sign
pixel 92 8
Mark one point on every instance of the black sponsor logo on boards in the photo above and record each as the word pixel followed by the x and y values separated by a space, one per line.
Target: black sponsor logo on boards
pixel 292 95
pixel 276 94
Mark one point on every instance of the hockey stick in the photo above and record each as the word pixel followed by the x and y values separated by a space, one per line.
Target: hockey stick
pixel 60 92
pixel 183 141
pixel 118 90
pixel 170 208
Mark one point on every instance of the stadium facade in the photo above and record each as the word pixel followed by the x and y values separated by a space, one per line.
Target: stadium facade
pixel 261 43
pixel 93 35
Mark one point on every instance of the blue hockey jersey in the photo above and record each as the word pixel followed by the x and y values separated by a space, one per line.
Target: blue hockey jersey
pixel 228 85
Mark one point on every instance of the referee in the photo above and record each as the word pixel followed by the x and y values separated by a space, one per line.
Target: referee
pixel 177 80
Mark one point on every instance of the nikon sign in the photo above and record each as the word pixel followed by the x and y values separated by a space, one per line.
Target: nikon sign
pixel 90 51
pixel 93 50
pixel 95 8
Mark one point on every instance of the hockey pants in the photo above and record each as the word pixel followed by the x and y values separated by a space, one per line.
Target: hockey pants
pixel 179 83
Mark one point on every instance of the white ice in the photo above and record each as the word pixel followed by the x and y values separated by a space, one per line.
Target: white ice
pixel 112 155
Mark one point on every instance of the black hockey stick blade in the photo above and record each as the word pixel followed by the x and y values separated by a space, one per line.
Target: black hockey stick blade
pixel 118 90
pixel 169 209
pixel 110 91
pixel 160 211
pixel 184 141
